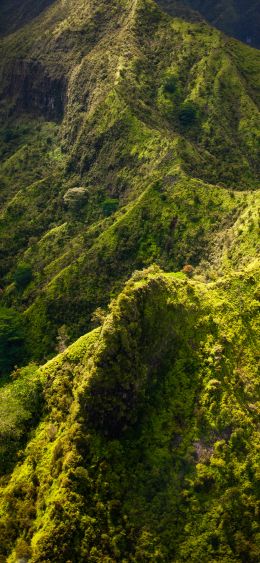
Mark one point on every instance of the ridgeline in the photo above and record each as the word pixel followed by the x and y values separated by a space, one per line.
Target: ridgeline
pixel 129 172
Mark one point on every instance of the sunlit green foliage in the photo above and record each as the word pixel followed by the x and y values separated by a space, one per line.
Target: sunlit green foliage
pixel 20 407
pixel 130 139
pixel 79 206
pixel 147 450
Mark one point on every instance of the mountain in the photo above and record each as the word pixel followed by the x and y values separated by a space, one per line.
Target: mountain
pixel 14 14
pixel 239 18
pixel 129 168
pixel 129 138
pixel 147 445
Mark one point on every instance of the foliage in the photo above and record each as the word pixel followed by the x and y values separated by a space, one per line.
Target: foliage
pixel 188 114
pixel 22 276
pixel 138 442
pixel 80 204
pixel 75 198
pixel 146 432
pixel 188 270
pixel 171 84
pixel 109 206
pixel 11 339
pixel 20 407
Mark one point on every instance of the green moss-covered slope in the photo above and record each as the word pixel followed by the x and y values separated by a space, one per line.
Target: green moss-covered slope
pixel 129 242
pixel 129 137
pixel 147 446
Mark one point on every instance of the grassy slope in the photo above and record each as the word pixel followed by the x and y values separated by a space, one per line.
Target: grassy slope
pixel 147 450
pixel 139 442
pixel 130 74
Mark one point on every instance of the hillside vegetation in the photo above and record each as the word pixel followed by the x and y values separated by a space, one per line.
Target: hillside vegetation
pixel 147 448
pixel 129 244
pixel 239 18
pixel 132 138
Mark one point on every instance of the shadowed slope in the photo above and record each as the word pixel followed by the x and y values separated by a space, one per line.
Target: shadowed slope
pixel 14 13
pixel 239 18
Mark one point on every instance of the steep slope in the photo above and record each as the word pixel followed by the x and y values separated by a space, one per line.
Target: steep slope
pixel 14 13
pixel 149 115
pixel 147 446
pixel 128 137
pixel 240 18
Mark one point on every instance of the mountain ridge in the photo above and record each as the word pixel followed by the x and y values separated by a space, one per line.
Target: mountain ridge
pixel 237 18
pixel 158 108
pixel 142 433
pixel 129 258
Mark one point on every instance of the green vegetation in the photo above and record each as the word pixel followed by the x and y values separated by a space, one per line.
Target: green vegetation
pixel 109 206
pixel 22 276
pixel 149 427
pixel 20 408
pixel 188 114
pixel 79 203
pixel 11 339
pixel 239 18
pixel 129 171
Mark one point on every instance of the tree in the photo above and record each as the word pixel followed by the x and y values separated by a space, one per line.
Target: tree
pixel 11 339
pixel 188 114
pixel 171 85
pixel 76 198
pixel 23 276
pixel 110 205
pixel 188 270
pixel 62 339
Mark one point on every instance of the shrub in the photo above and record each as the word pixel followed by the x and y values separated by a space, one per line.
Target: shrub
pixel 188 114
pixel 188 270
pixel 109 206
pixel 75 198
pixel 171 85
pixel 23 276
pixel 11 339
pixel 23 551
pixel 62 339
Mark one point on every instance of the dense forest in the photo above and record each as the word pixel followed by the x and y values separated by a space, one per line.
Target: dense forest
pixel 129 288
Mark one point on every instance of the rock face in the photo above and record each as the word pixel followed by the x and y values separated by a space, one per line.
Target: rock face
pixel 240 18
pixel 30 88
